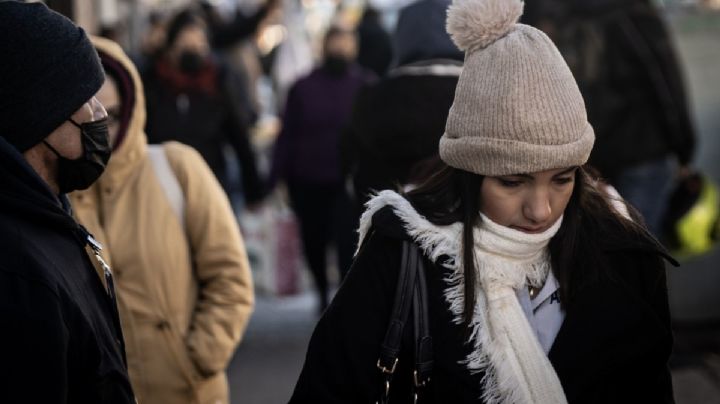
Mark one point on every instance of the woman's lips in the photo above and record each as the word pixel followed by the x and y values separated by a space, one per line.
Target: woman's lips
pixel 532 230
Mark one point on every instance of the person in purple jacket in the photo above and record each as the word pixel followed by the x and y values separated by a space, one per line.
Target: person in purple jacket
pixel 307 154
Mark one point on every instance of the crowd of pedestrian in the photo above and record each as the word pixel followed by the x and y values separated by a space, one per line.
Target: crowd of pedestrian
pixel 505 183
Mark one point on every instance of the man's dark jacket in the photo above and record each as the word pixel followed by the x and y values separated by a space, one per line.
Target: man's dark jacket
pixel 60 340
pixel 207 122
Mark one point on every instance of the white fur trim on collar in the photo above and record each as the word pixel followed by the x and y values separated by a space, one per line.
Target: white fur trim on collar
pixel 488 354
pixel 434 240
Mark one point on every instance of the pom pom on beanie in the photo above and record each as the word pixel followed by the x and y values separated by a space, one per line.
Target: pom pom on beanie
pixel 475 24
pixel 517 107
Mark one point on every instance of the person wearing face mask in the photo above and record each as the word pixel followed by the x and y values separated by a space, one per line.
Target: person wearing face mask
pixel 193 97
pixel 525 283
pixel 61 330
pixel 307 156
pixel 183 281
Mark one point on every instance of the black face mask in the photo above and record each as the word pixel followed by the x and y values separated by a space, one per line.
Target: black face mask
pixel 80 173
pixel 191 62
pixel 336 65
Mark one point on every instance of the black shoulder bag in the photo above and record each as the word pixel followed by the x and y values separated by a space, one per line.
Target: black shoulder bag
pixel 411 292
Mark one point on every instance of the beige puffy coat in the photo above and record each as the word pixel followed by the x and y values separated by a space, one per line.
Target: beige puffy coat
pixel 184 295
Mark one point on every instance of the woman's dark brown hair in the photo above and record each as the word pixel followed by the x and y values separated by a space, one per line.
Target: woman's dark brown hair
pixel 451 195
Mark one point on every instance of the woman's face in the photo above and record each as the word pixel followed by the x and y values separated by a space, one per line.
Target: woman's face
pixel 109 97
pixel 531 202
pixel 192 38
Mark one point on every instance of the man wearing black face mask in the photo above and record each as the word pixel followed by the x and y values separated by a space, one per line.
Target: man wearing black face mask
pixel 60 325
pixel 79 173
pixel 194 97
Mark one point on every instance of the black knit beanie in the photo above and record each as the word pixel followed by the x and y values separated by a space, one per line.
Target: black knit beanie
pixel 49 69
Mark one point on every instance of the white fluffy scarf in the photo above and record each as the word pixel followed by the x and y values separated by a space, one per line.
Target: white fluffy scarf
pixel 517 371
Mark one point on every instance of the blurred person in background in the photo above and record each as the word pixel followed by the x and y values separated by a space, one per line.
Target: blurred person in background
pixel 307 155
pixel 61 340
pixel 622 56
pixel 397 122
pixel 183 281
pixel 194 97
pixel 225 33
pixel 375 51
pixel 222 33
pixel 152 41
pixel 232 36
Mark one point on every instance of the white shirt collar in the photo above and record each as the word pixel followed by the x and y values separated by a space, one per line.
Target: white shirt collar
pixel 551 286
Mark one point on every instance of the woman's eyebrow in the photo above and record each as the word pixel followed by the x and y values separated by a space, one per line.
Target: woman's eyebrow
pixel 527 176
pixel 568 171
pixel 530 177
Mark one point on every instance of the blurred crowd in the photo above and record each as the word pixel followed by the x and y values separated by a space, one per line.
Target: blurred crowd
pixel 360 107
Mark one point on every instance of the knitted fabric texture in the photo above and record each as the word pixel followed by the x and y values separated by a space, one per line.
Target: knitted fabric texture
pixel 49 69
pixel 517 107
pixel 510 260
pixel 505 348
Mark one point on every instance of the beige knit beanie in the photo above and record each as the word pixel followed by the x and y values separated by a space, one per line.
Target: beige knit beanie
pixel 517 107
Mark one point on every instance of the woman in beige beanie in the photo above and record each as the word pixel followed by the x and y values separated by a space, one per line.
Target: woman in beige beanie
pixel 533 286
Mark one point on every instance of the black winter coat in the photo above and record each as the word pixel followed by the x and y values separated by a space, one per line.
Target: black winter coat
pixel 207 122
pixel 623 58
pixel 61 340
pixel 613 346
pixel 396 124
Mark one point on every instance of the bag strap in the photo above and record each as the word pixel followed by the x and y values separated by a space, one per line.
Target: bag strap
pixel 411 291
pixel 390 348
pixel 423 341
pixel 167 179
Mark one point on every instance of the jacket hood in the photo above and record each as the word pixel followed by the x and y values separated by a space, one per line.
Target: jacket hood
pixel 421 35
pixel 593 8
pixel 26 195
pixel 562 11
pixel 133 142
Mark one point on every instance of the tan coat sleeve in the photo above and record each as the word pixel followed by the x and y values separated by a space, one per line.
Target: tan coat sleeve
pixel 225 298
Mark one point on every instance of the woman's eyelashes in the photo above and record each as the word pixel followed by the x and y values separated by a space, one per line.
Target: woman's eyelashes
pixel 517 182
pixel 510 183
pixel 564 180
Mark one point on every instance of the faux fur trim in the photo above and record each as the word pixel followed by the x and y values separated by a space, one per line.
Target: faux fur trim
pixel 445 241
pixel 435 70
pixel 434 240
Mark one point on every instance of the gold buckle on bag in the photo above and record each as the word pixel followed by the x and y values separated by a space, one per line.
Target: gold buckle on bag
pixel 418 383
pixel 386 370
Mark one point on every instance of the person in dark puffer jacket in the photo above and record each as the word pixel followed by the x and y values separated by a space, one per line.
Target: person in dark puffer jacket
pixel 397 122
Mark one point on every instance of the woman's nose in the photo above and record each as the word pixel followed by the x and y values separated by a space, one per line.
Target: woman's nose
pixel 537 207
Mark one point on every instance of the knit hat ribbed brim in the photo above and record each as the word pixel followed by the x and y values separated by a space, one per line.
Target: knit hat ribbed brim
pixel 49 70
pixel 517 107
